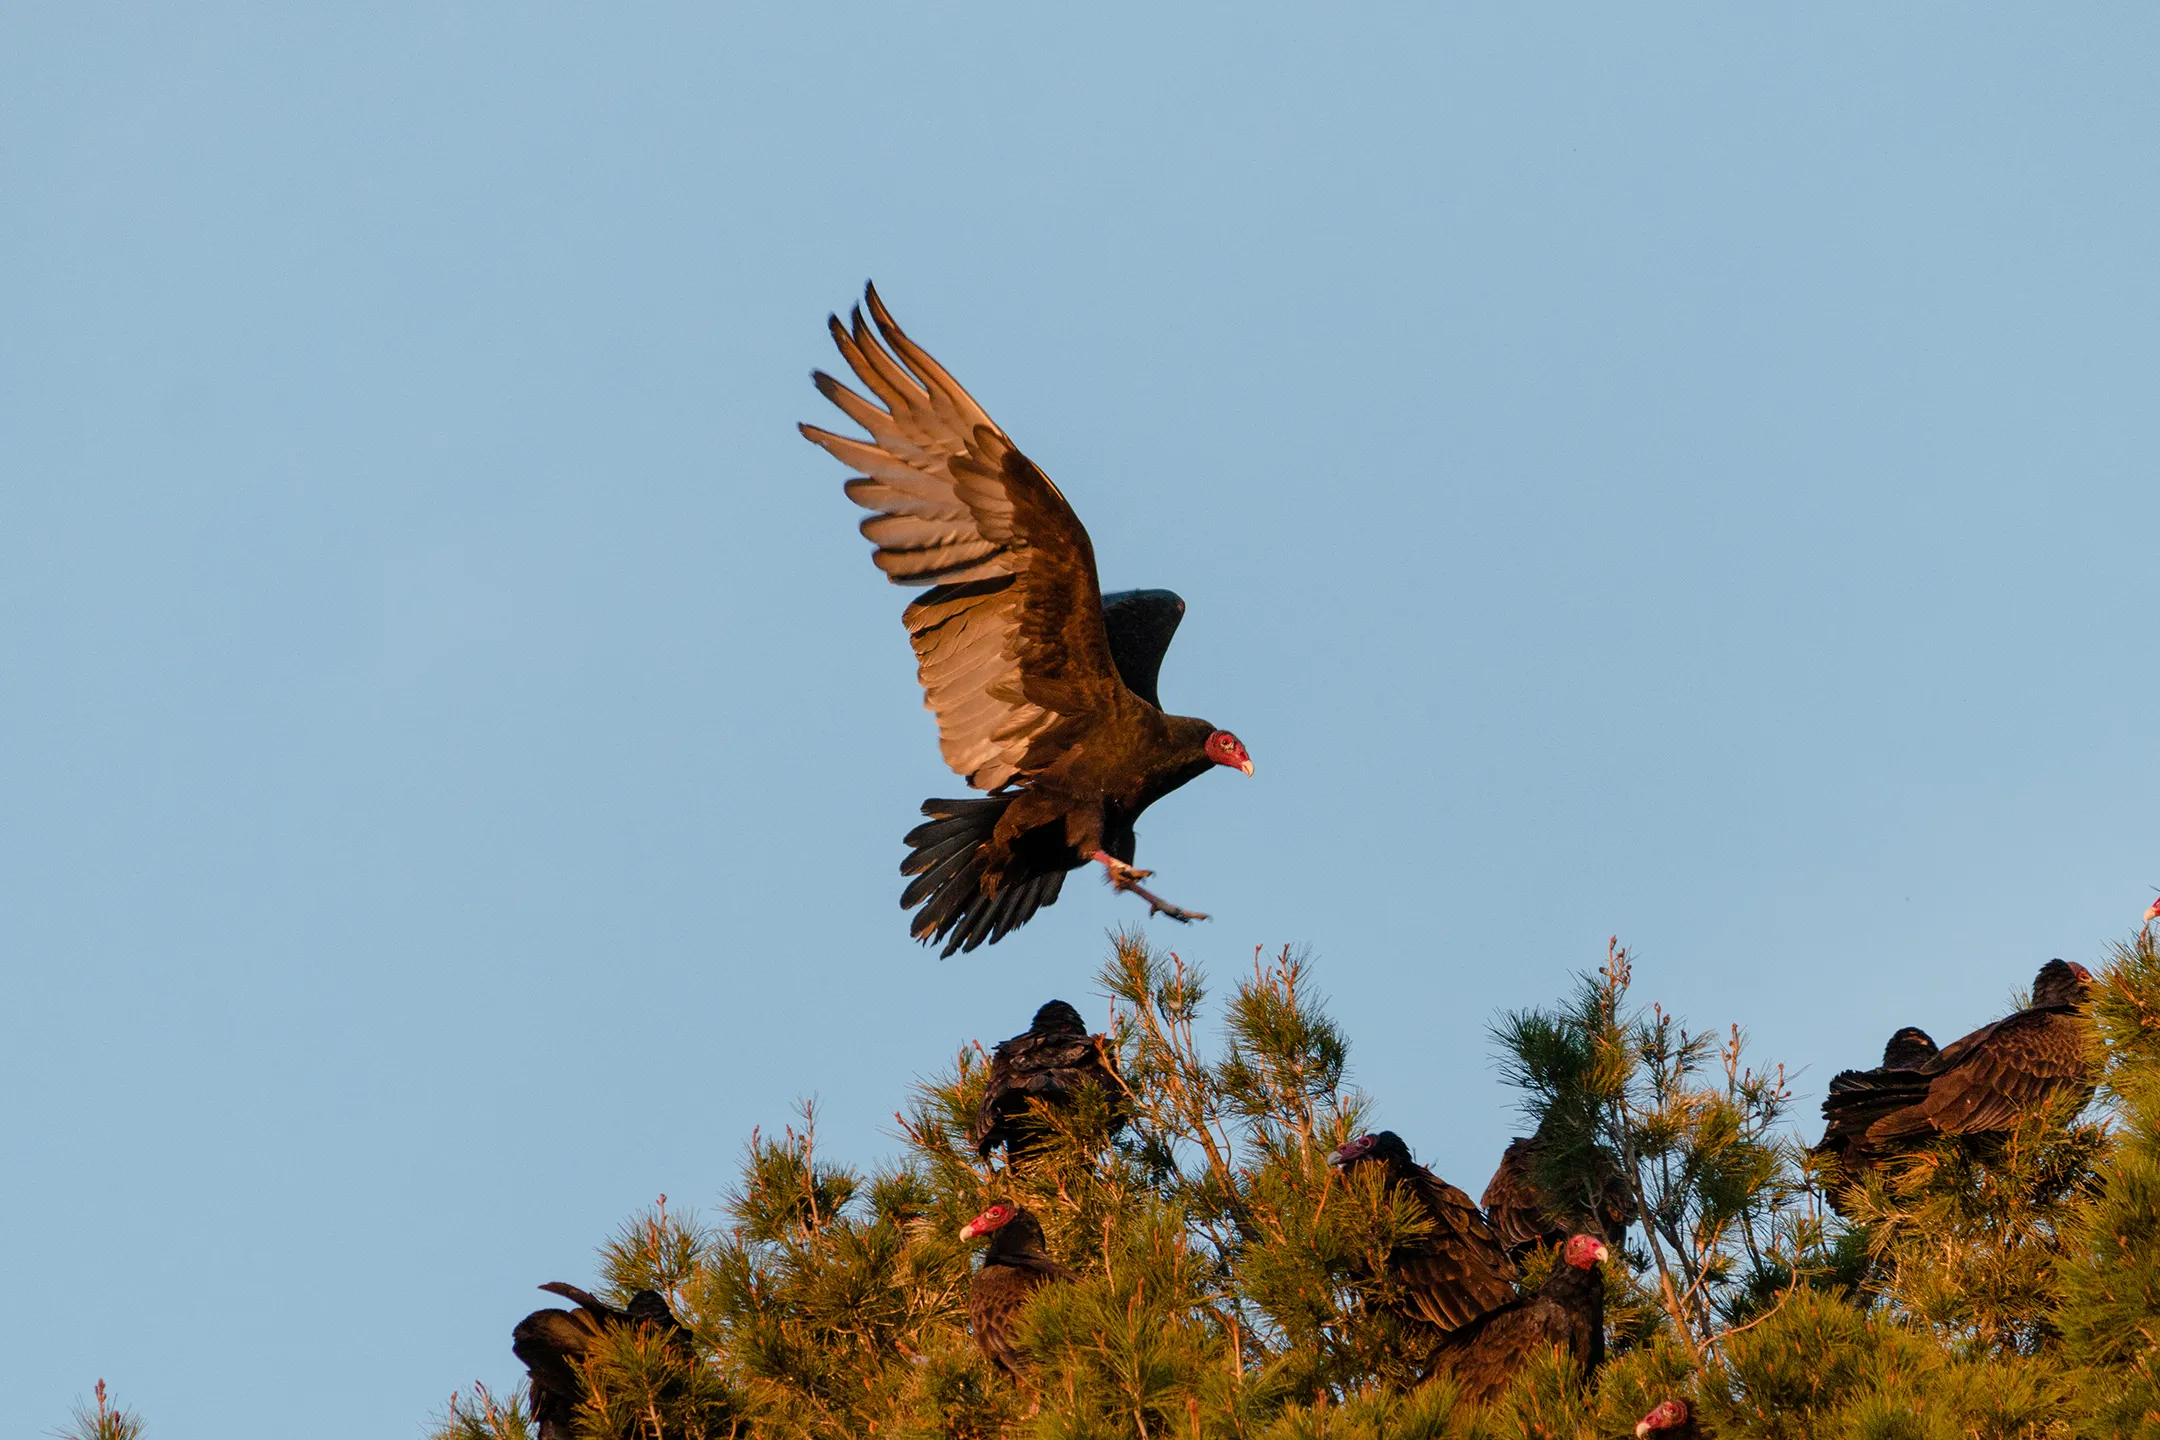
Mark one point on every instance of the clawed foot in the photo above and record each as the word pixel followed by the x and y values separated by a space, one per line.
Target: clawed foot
pixel 1124 877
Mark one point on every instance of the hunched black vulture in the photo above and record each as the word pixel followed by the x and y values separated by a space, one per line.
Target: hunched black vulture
pixel 1051 1062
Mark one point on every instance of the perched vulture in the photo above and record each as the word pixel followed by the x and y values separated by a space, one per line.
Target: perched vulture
pixel 1524 1216
pixel 1671 1420
pixel 1044 687
pixel 1858 1098
pixel 1014 1268
pixel 553 1343
pixel 1987 1082
pixel 1566 1313
pixel 1460 1272
pixel 1050 1063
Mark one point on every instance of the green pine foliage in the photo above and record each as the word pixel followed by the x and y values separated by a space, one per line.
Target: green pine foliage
pixel 2110 1273
pixel 1697 1135
pixel 1227 1280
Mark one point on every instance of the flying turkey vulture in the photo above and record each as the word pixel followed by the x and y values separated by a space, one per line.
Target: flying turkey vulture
pixel 1044 687
pixel 1671 1420
pixel 1524 1216
pixel 1985 1083
pixel 1567 1313
pixel 1458 1273
pixel 1050 1062
pixel 1858 1098
pixel 553 1343
pixel 1014 1268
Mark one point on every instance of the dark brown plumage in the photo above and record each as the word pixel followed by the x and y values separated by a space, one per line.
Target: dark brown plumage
pixel 1672 1420
pixel 1858 1098
pixel 553 1344
pixel 1566 1313
pixel 1984 1084
pixel 1524 1216
pixel 1459 1273
pixel 1013 1269
pixel 1051 1062
pixel 1042 699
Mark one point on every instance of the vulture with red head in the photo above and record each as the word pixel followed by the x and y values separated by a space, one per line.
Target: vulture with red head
pixel 1052 1062
pixel 553 1345
pixel 1525 1216
pixel 1859 1098
pixel 1043 686
pixel 1013 1269
pixel 1461 1271
pixel 1566 1313
pixel 1985 1083
pixel 1671 1420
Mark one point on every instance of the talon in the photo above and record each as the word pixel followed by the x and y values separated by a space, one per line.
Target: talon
pixel 1120 874
pixel 1124 877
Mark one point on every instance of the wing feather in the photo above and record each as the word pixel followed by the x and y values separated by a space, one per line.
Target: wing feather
pixel 1008 633
pixel 2023 1068
pixel 1463 1271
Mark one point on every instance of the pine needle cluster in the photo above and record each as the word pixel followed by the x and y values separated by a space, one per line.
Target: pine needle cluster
pixel 1227 1281
pixel 102 1420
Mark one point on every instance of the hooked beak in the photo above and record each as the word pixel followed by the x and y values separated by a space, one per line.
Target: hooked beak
pixel 968 1231
pixel 1642 1429
pixel 1247 768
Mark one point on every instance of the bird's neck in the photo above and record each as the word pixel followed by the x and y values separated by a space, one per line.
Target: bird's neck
pixel 1574 1282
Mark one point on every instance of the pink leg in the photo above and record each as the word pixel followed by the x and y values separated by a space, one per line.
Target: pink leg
pixel 1123 877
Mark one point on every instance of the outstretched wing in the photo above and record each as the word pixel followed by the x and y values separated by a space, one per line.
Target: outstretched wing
pixel 2030 1059
pixel 1140 624
pixel 1009 638
pixel 585 1299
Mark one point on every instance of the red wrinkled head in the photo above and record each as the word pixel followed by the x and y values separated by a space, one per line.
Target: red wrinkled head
pixel 1352 1151
pixel 1584 1251
pixel 1669 1415
pixel 990 1219
pixel 1225 748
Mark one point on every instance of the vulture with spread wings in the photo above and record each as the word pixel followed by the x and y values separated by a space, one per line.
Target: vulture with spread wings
pixel 1044 688
pixel 1978 1087
pixel 1985 1083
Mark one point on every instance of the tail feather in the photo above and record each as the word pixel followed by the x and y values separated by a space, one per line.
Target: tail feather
pixel 949 869
pixel 933 832
pixel 957 817
pixel 942 869
pixel 951 905
pixel 1028 897
pixel 938 852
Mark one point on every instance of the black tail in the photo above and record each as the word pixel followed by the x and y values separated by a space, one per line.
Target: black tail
pixel 947 862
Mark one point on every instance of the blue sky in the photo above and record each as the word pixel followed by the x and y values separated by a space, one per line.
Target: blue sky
pixel 1675 473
